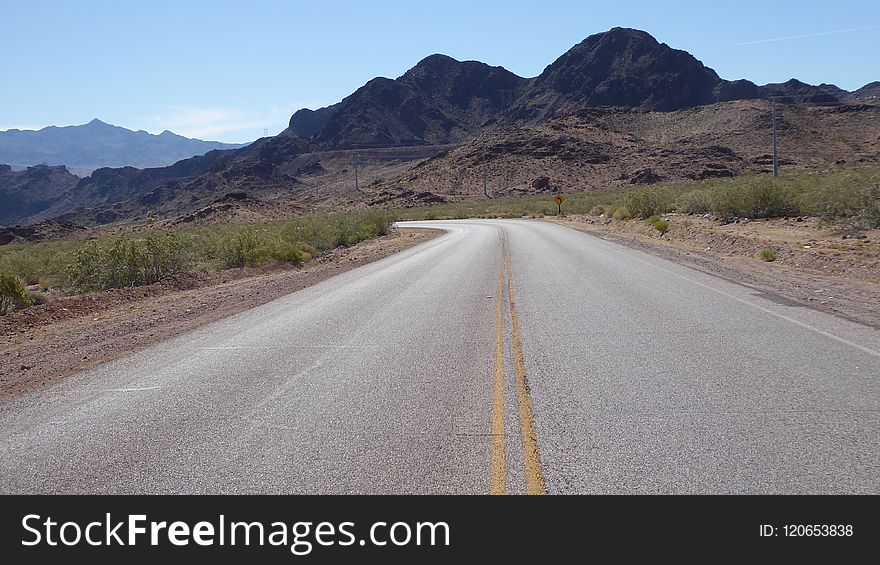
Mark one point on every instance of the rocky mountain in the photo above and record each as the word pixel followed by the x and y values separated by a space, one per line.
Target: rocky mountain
pixel 797 91
pixel 107 186
pixel 305 123
pixel 614 146
pixel 96 144
pixel 440 100
pixel 24 193
pixel 870 91
pixel 623 67
pixel 388 126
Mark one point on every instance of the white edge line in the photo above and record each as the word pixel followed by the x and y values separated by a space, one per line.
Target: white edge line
pixel 805 325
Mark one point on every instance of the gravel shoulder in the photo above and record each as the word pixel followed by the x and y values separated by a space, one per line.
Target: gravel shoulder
pixel 49 342
pixel 816 266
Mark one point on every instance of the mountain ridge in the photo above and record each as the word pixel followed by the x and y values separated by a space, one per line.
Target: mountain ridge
pixel 440 102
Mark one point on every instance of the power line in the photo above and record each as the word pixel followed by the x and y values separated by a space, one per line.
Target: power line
pixel 804 100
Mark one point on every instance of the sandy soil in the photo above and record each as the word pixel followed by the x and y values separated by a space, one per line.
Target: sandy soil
pixel 46 343
pixel 816 265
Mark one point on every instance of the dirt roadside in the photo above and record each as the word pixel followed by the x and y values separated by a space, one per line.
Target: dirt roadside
pixel 818 266
pixel 46 343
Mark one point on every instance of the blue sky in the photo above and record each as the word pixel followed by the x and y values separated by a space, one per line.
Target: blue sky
pixel 226 70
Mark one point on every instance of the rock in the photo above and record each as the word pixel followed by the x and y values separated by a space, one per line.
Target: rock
pixel 541 183
pixel 646 176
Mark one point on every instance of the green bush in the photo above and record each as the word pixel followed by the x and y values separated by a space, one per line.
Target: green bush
pixel 695 202
pixel 122 262
pixel 12 294
pixel 768 255
pixel 756 197
pixel 162 255
pixel 86 271
pixel 849 199
pixel 646 202
pixel 661 226
pixel 621 214
pixel 243 248
pixel 768 198
pixel 114 262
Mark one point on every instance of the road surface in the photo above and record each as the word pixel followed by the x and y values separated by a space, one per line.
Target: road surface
pixel 506 356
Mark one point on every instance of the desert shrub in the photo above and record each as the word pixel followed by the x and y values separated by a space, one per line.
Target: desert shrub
pixel 349 231
pixel 768 198
pixel 757 197
pixel 848 199
pixel 279 249
pixel 869 214
pixel 122 262
pixel 768 255
pixel 243 248
pixel 86 271
pixel 12 294
pixel 161 256
pixel 661 226
pixel 646 202
pixel 374 223
pixel 339 230
pixel 694 202
pixel 621 214
pixel 652 220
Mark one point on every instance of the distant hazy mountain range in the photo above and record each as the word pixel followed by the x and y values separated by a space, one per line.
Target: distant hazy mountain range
pixel 96 144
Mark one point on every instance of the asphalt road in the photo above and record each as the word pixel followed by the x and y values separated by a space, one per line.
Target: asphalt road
pixel 506 356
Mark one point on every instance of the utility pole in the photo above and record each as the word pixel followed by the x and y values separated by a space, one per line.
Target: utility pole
pixel 265 132
pixel 485 172
pixel 775 148
pixel 357 185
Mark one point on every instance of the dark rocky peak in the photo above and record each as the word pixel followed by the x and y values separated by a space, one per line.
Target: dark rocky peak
pixel 436 64
pixel 794 90
pixel 620 67
pixel 869 91
pixel 464 83
pixel 727 90
pixel 620 53
pixel 305 122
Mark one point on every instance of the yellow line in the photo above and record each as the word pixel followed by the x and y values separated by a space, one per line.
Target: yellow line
pixel 496 471
pixel 531 456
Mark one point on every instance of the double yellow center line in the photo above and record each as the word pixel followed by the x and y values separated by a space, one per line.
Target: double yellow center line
pixel 531 456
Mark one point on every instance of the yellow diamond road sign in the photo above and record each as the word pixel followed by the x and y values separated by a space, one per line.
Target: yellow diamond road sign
pixel 559 199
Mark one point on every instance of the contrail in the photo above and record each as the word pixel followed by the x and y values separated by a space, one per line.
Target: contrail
pixel 810 35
